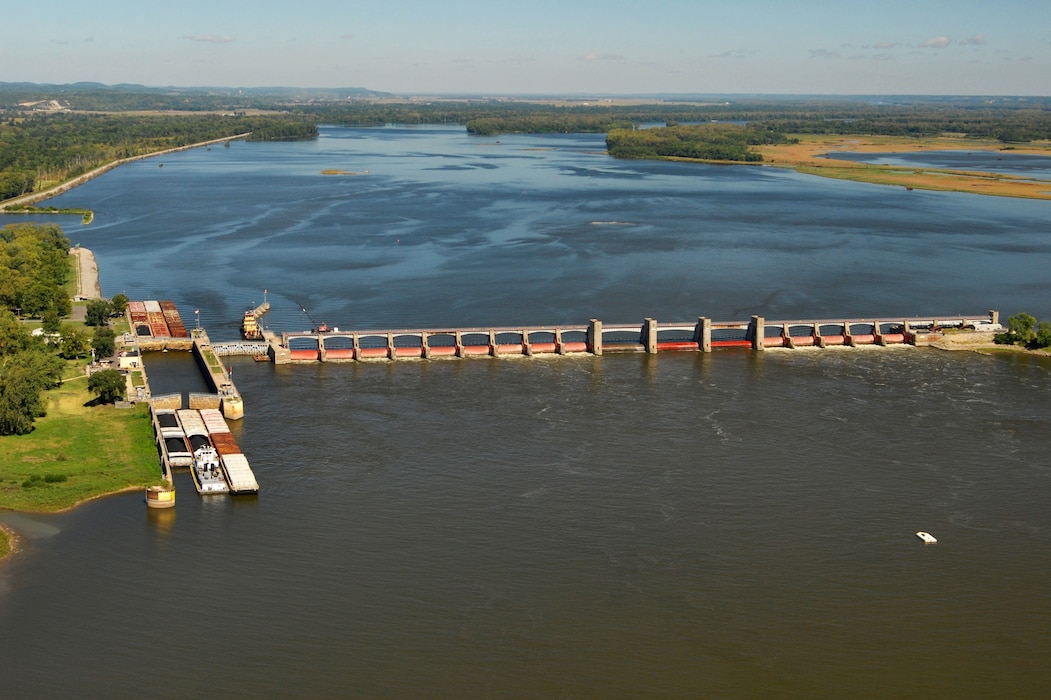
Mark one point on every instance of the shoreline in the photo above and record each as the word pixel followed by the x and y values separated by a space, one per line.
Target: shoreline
pixel 36 197
pixel 14 542
pixel 811 157
pixel 87 274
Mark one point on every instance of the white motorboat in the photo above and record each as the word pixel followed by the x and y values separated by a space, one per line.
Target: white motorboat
pixel 927 537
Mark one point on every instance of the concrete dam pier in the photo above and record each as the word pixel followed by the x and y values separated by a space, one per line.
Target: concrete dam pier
pixel 597 338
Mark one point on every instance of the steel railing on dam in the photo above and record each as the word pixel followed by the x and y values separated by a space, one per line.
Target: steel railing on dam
pixel 596 338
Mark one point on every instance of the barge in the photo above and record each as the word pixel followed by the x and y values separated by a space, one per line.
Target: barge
pixel 200 440
pixel 239 474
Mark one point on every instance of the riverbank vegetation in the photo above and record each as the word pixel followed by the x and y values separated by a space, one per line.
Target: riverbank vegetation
pixel 720 142
pixel 86 215
pixel 51 134
pixel 547 124
pixel 1024 330
pixel 77 452
pixel 40 151
pixel 34 270
pixel 62 440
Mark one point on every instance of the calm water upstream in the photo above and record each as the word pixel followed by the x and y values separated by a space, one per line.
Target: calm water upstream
pixel 731 525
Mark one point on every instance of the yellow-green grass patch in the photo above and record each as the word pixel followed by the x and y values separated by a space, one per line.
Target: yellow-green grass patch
pixel 76 453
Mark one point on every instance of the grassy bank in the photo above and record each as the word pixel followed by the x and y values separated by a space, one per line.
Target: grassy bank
pixel 808 156
pixel 77 452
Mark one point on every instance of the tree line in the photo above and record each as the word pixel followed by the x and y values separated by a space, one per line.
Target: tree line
pixel 41 150
pixel 722 142
pixel 34 266
pixel 1023 329
pixel 34 270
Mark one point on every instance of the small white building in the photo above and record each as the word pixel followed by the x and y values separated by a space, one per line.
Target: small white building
pixel 129 359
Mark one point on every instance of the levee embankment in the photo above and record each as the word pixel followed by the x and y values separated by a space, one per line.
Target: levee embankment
pixel 36 197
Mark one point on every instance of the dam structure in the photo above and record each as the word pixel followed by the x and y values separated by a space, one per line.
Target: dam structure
pixel 158 326
pixel 597 338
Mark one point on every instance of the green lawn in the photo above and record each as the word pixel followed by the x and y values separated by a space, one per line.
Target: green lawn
pixel 77 452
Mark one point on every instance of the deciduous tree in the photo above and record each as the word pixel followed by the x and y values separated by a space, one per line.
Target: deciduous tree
pixel 108 385
pixel 97 312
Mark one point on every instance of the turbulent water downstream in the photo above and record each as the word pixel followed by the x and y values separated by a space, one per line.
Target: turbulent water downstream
pixel 684 525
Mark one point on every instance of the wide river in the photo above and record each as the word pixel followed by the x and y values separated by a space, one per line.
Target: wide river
pixel 681 525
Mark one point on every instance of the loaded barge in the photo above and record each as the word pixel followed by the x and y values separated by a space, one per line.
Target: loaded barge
pixel 200 440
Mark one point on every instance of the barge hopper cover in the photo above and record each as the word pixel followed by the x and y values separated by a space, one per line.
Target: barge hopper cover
pixel 239 474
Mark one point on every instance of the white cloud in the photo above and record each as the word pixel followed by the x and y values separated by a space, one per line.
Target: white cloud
pixel 975 40
pixel 883 45
pixel 824 53
pixel 936 42
pixel 602 57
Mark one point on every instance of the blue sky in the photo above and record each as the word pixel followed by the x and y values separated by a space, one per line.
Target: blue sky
pixel 540 46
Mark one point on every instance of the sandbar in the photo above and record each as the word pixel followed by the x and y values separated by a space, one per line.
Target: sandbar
pixel 810 156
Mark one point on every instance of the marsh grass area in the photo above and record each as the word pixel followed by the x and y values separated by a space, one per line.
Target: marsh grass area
pixel 77 452
pixel 808 156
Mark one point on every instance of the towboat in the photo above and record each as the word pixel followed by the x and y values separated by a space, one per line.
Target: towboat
pixel 208 476
pixel 927 537
pixel 250 327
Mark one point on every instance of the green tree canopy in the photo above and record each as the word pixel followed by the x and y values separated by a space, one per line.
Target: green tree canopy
pixel 108 385
pixel 1043 335
pixel 104 341
pixel 97 312
pixel 52 323
pixel 1022 327
pixel 14 338
pixel 73 343
pixel 34 267
pixel 701 141
pixel 23 378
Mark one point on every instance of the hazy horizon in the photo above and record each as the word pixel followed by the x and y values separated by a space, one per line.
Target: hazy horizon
pixel 466 47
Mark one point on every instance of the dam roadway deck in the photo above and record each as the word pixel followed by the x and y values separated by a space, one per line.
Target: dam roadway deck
pixel 597 338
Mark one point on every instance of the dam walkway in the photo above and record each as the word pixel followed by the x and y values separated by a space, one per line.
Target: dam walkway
pixel 597 338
